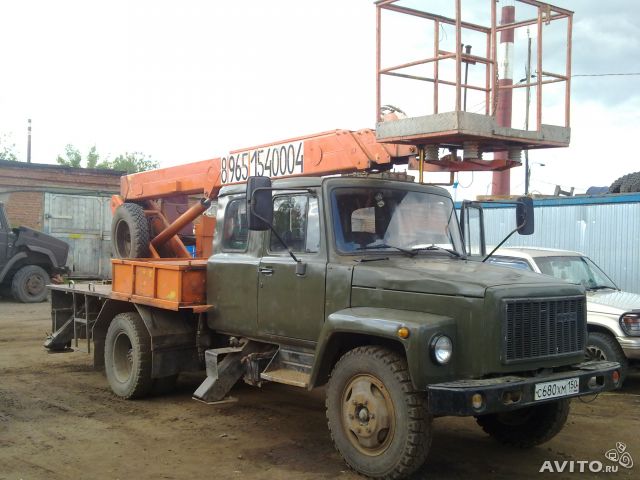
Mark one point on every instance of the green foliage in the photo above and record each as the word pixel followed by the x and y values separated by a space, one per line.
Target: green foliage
pixel 73 157
pixel 7 149
pixel 131 162
pixel 126 162
pixel 92 157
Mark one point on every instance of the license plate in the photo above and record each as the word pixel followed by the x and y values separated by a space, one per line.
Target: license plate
pixel 559 388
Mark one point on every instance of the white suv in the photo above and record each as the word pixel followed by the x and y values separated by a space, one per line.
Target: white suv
pixel 613 316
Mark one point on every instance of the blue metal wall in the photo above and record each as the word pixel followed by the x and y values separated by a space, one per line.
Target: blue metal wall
pixel 605 228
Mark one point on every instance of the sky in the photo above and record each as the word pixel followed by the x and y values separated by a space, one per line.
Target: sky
pixel 186 81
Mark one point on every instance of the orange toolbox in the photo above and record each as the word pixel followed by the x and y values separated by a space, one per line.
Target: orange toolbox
pixel 167 283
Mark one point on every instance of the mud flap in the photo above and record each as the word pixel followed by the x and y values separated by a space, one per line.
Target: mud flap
pixel 223 375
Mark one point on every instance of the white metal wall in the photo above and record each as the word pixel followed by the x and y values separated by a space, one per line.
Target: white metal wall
pixel 609 233
pixel 84 222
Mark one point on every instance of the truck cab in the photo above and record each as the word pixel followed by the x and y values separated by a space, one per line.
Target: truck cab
pixel 362 283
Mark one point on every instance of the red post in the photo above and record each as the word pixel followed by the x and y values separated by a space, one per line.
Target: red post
pixel 501 184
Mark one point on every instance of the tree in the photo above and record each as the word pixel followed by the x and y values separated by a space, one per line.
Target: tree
pixel 74 159
pixel 127 162
pixel 130 162
pixel 92 157
pixel 7 149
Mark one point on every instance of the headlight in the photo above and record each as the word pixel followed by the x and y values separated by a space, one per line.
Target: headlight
pixel 630 323
pixel 441 349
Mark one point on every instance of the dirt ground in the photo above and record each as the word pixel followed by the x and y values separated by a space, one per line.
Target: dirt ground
pixel 58 419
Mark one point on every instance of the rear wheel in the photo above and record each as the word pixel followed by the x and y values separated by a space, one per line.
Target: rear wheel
pixel 378 423
pixel 127 356
pixel 130 232
pixel 602 346
pixel 29 284
pixel 529 426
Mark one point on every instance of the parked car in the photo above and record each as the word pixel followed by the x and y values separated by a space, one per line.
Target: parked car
pixel 29 260
pixel 613 316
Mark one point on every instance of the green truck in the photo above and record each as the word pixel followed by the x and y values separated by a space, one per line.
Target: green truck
pixel 362 283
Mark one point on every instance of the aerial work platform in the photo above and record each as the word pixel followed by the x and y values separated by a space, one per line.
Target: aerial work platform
pixel 448 72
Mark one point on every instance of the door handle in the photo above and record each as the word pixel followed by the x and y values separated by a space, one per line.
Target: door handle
pixel 267 271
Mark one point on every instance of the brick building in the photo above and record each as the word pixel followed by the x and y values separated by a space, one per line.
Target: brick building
pixel 23 187
pixel 72 204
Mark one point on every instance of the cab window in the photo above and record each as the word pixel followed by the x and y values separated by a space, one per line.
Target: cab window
pixel 516 263
pixel 235 232
pixel 297 221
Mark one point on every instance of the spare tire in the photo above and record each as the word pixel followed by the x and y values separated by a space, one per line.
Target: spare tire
pixel 130 232
pixel 631 183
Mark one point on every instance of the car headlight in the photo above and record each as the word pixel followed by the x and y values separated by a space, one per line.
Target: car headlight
pixel 441 349
pixel 630 323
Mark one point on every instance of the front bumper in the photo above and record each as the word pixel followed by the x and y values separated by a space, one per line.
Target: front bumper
pixel 630 347
pixel 503 394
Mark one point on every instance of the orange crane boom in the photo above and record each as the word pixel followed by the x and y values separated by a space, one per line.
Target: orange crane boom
pixel 326 153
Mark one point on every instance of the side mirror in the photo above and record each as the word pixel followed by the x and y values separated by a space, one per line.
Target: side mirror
pixel 524 216
pixel 259 203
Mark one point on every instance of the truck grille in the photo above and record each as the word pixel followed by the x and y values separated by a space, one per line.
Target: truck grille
pixel 543 328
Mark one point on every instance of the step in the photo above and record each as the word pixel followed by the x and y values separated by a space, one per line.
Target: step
pixel 287 376
pixel 291 366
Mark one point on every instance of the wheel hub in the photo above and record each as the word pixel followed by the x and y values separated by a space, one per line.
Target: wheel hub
pixel 363 415
pixel 368 414
pixel 595 353
pixel 34 284
pixel 123 357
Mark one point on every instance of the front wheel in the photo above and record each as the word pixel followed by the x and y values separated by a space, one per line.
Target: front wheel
pixel 602 346
pixel 529 426
pixel 378 423
pixel 29 284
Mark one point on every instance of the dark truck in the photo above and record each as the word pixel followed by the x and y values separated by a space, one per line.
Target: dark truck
pixel 361 284
pixel 28 261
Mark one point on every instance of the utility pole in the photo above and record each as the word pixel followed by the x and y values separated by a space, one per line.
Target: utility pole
pixel 29 141
pixel 501 184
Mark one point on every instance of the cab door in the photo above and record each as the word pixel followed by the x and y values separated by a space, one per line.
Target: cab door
pixel 289 304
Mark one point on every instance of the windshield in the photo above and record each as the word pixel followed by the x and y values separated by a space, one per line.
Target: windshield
pixel 386 219
pixel 576 270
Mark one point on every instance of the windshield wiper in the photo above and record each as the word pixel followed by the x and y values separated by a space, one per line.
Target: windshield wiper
pixel 386 245
pixel 415 250
pixel 601 287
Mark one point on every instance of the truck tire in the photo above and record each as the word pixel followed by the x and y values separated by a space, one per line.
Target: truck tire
pixel 528 426
pixel 130 235
pixel 378 423
pixel 29 284
pixel 631 183
pixel 615 186
pixel 602 346
pixel 127 356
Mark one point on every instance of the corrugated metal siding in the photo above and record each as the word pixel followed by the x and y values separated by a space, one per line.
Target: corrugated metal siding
pixel 608 233
pixel 84 222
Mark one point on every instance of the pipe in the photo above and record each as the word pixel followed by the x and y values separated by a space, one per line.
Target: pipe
pixel 187 217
